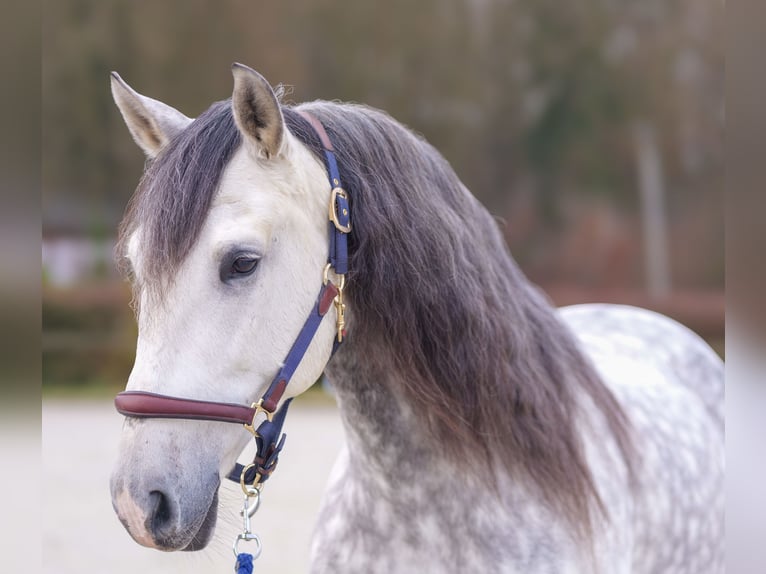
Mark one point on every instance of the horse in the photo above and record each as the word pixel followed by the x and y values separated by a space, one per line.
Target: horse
pixel 486 431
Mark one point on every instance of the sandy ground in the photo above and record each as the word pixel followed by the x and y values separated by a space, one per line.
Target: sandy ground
pixel 81 534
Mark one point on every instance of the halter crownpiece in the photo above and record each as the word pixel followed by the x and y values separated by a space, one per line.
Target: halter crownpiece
pixel 262 418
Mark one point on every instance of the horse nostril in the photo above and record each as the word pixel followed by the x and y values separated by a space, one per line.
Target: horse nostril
pixel 162 512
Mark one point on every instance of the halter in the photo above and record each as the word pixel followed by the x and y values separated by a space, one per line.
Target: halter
pixel 262 418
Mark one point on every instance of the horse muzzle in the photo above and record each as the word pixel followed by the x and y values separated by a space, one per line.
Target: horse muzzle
pixel 158 517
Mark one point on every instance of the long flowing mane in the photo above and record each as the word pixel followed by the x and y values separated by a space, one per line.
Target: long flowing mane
pixel 434 293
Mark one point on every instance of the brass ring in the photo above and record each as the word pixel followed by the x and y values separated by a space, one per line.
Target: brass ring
pixel 250 489
pixel 258 410
pixel 326 278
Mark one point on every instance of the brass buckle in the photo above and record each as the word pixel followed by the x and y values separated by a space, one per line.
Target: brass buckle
pixel 258 410
pixel 338 192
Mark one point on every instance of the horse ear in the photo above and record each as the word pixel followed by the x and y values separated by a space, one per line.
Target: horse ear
pixel 256 111
pixel 151 123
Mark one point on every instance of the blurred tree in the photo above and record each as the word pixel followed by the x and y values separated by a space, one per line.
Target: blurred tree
pixel 534 103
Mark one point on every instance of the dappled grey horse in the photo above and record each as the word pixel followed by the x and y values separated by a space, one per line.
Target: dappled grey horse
pixel 485 430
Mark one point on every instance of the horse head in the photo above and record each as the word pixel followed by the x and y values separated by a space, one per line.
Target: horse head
pixel 225 241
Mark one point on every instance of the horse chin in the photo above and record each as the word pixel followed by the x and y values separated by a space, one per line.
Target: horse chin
pixel 202 537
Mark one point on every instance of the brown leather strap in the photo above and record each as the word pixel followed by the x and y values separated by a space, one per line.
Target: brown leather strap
pixel 143 404
pixel 318 128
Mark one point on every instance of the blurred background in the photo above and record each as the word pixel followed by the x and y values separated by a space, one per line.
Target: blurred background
pixel 592 129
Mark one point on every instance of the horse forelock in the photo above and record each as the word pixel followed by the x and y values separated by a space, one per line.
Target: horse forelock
pixel 174 196
pixel 435 294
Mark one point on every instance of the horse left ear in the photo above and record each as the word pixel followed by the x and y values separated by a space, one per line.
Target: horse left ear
pixel 151 123
pixel 256 111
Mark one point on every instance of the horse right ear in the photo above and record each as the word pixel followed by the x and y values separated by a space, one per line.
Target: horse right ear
pixel 151 123
pixel 256 111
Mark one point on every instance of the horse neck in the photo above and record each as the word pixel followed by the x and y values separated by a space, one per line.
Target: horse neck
pixel 385 437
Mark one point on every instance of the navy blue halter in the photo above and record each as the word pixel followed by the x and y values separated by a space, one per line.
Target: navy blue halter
pixel 268 434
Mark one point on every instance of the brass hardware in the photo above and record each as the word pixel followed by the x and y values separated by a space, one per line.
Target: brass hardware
pixel 338 192
pixel 251 489
pixel 326 278
pixel 340 311
pixel 340 306
pixel 258 410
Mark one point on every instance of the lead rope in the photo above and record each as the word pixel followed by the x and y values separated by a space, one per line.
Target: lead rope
pixel 244 563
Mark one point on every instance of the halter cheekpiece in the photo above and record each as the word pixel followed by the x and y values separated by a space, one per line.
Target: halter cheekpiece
pixel 262 418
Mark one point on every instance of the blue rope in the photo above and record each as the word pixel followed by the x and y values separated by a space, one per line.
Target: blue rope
pixel 244 564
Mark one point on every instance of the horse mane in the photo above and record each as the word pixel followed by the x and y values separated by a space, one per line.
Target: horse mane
pixel 434 293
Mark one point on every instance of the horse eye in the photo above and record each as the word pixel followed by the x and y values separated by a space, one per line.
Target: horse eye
pixel 243 265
